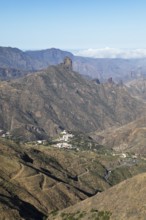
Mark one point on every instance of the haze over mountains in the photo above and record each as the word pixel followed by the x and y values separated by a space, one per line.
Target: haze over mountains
pixel 95 68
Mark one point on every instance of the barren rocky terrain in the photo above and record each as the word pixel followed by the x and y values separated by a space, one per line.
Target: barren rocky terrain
pixel 65 139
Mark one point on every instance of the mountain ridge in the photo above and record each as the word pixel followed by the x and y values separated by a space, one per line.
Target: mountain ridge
pixel 102 68
pixel 58 98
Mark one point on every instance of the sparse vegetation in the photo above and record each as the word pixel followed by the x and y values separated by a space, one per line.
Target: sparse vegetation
pixel 73 216
pixel 41 105
pixel 54 212
pixel 93 215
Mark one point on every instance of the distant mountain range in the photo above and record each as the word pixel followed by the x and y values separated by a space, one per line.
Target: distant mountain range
pixel 103 68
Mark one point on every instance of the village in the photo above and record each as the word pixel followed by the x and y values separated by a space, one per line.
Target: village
pixel 62 141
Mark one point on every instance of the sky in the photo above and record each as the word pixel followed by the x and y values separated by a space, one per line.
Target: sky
pixel 96 28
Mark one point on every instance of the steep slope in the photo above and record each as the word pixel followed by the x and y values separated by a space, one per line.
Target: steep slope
pixel 14 58
pixel 9 73
pixel 37 180
pixel 137 88
pixel 41 179
pixel 46 102
pixel 30 60
pixel 123 201
pixel 130 137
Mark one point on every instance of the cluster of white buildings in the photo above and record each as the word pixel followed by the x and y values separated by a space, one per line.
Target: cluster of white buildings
pixel 63 145
pixel 63 140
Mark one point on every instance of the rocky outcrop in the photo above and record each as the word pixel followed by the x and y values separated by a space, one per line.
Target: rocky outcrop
pixel 110 80
pixel 68 63
pixel 96 81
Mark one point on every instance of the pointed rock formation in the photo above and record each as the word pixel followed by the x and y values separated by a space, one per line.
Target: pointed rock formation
pixel 68 63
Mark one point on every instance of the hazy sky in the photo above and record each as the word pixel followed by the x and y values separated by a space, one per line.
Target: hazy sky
pixel 73 24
